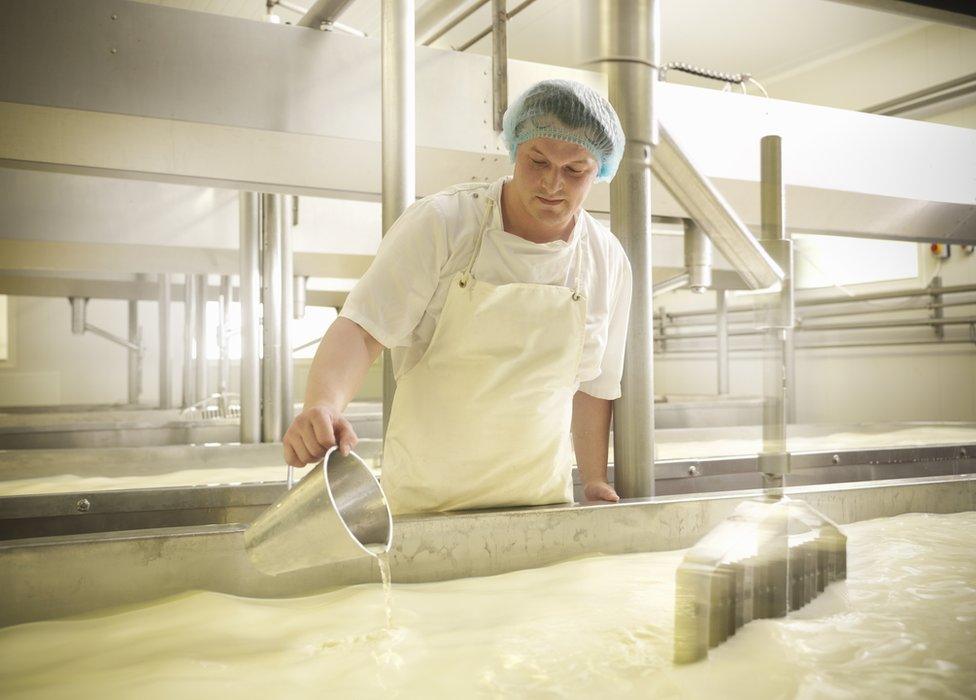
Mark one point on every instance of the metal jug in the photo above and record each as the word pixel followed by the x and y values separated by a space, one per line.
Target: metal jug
pixel 336 512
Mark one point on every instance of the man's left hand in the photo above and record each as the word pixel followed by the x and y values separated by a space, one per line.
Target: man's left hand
pixel 599 491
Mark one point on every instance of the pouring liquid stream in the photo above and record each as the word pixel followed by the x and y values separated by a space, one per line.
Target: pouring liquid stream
pixel 383 560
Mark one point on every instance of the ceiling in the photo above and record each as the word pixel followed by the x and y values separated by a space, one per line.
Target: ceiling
pixel 759 37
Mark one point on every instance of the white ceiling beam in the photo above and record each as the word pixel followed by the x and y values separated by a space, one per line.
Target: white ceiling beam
pixel 960 13
pixel 186 112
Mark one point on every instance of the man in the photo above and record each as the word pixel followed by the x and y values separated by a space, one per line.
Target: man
pixel 506 308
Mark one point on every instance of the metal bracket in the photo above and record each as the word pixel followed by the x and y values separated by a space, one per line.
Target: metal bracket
pixel 937 311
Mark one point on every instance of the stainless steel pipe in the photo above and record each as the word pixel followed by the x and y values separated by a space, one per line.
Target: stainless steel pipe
pixel 499 62
pixel 925 292
pixel 165 343
pixel 323 12
pixel 223 333
pixel 300 294
pixel 425 28
pixel 625 42
pixel 862 326
pixel 78 314
pixel 671 284
pixel 706 205
pixel 271 418
pixel 774 461
pixel 134 356
pixel 722 333
pixel 200 341
pixel 250 261
pixel 485 32
pixel 698 257
pixel 287 312
pixel 399 135
pixel 189 312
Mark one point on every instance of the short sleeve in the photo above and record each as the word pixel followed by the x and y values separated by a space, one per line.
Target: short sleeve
pixel 390 299
pixel 606 385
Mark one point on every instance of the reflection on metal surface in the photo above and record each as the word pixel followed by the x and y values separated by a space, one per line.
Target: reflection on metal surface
pixel 336 513
pixel 78 573
pixel 768 558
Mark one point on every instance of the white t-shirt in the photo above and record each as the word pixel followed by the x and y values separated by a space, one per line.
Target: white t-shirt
pixel 399 299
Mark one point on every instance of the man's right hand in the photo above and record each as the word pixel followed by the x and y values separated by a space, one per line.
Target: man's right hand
pixel 316 430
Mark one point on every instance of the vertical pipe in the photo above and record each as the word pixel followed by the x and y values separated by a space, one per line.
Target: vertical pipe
pixel 937 311
pixel 271 317
pixel 223 335
pixel 189 312
pixel 774 459
pixel 499 61
pixel 399 135
pixel 250 257
pixel 287 311
pixel 134 360
pixel 165 345
pixel 789 348
pixel 200 344
pixel 78 314
pixel 300 294
pixel 722 322
pixel 698 257
pixel 628 50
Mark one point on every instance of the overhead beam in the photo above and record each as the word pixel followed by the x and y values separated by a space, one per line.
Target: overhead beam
pixel 60 256
pixel 124 290
pixel 324 12
pixel 960 13
pixel 183 112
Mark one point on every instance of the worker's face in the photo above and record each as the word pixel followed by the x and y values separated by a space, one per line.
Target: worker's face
pixel 551 180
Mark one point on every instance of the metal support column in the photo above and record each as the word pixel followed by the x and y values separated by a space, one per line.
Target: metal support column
pixel 722 324
pixel 271 317
pixel 789 349
pixel 200 342
pixel 165 345
pixel 250 256
pixel 134 358
pixel 628 50
pixel 223 336
pixel 774 461
pixel 287 312
pixel 189 312
pixel 399 135
pixel 499 61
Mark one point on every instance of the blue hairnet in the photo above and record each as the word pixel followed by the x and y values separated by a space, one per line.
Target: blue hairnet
pixel 567 111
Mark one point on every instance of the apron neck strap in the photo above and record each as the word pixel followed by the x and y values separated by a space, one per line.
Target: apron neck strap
pixel 489 210
pixel 581 243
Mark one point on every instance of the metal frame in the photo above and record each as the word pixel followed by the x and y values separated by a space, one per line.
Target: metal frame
pixel 80 573
pixel 190 128
pixel 399 127
pixel 944 11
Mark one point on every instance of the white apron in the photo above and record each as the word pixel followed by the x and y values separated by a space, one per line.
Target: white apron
pixel 484 418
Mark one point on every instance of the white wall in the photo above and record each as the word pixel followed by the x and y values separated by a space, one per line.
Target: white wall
pixel 850 384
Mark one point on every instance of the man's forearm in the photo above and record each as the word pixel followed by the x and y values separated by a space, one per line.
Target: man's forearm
pixel 340 365
pixel 591 435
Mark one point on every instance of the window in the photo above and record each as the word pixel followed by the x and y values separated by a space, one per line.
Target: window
pixel 827 261
pixel 314 325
